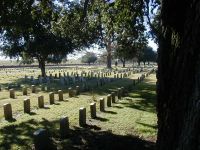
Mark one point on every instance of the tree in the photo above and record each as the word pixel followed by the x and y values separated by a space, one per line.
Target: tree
pixel 42 36
pixel 146 55
pixel 34 37
pixel 89 57
pixel 178 86
pixel 116 21
pixel 26 59
pixel 102 58
pixel 128 48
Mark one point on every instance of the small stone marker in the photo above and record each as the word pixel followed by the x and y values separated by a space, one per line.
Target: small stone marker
pixel 59 75
pixel 7 111
pixel 70 92
pixel 109 102
pixel 122 91
pixel 82 116
pixel 102 105
pixel 119 93
pixel 51 98
pixel 12 93
pixel 27 106
pixel 41 101
pixel 77 90
pixel 64 127
pixel 60 95
pixel 113 97
pixel 42 140
pixel 33 88
pixel 24 90
pixel 93 110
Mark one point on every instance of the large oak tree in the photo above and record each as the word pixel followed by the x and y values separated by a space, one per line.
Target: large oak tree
pixel 34 28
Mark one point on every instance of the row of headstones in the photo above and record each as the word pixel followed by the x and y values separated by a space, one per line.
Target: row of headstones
pixel 103 81
pixel 33 90
pixel 86 74
pixel 73 77
pixel 27 105
pixel 65 81
pixel 42 139
pixel 72 80
pixel 24 91
pixel 10 72
pixel 8 109
pixel 100 82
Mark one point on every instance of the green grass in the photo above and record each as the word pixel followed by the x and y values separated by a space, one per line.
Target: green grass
pixel 128 119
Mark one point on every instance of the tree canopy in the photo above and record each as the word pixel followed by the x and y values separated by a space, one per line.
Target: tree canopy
pixel 120 24
pixel 48 33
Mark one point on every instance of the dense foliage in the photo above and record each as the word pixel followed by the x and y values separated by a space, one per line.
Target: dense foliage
pixel 46 30
pixel 120 25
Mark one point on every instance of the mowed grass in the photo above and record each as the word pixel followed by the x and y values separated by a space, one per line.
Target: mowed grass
pixel 132 117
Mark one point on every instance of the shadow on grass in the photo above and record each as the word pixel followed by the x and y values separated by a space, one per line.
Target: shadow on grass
pixel 109 112
pixel 11 120
pixel 32 113
pixel 94 127
pixel 119 107
pixel 142 97
pixel 148 125
pixel 20 136
pixel 106 88
pixel 84 138
pixel 101 119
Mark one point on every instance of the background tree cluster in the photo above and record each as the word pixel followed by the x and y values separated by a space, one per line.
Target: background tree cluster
pixel 89 57
pixel 120 27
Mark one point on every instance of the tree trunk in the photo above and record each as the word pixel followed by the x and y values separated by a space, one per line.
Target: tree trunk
pixel 42 67
pixel 109 56
pixel 123 63
pixel 178 86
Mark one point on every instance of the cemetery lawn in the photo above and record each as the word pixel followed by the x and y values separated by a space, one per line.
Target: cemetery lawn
pixel 128 124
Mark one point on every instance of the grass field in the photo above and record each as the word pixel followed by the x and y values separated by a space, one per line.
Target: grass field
pixel 130 123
